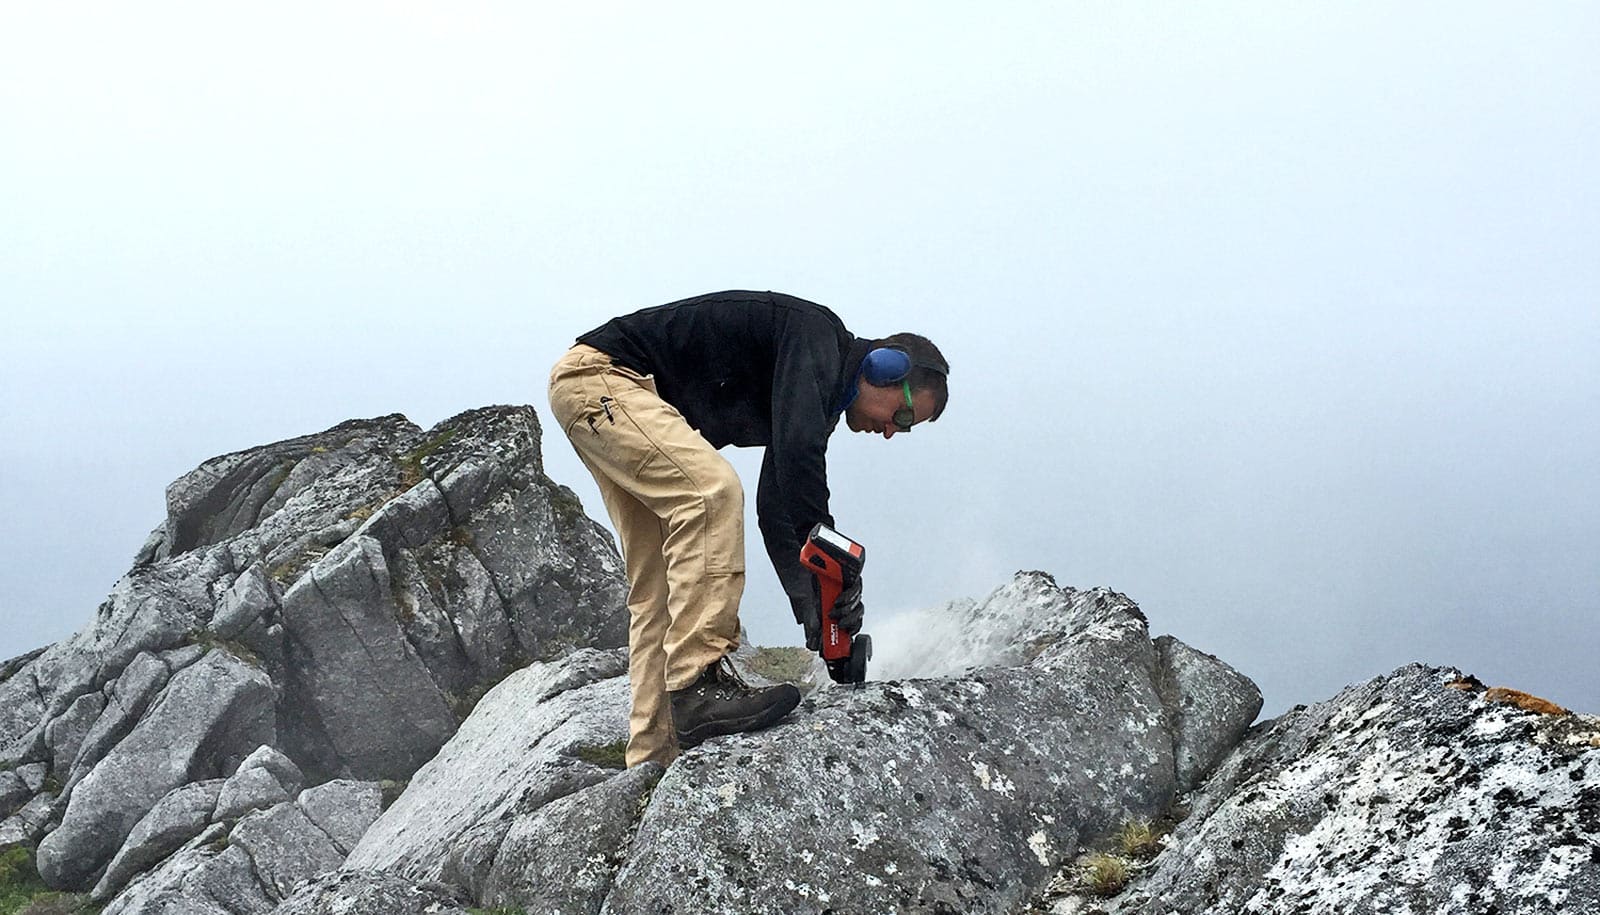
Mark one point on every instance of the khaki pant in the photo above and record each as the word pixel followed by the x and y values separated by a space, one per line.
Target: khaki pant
pixel 678 508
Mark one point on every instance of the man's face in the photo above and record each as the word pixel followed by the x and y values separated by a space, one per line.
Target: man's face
pixel 874 408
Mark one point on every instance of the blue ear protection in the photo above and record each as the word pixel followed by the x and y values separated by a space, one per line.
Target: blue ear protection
pixel 882 367
pixel 886 365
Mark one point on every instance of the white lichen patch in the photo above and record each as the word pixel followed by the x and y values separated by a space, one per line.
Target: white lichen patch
pixel 862 835
pixel 1039 844
pixel 1400 811
pixel 994 781
pixel 728 792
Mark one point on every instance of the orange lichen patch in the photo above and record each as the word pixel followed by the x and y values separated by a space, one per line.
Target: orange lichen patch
pixel 1467 683
pixel 1524 701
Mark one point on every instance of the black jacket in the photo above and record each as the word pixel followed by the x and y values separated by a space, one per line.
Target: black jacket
pixel 753 368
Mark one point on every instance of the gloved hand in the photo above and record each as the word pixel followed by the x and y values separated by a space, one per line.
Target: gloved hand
pixel 847 610
pixel 808 613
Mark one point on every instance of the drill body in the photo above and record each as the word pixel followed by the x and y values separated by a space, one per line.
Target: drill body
pixel 836 562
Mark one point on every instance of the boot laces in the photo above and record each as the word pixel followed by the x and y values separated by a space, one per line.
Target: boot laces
pixel 724 672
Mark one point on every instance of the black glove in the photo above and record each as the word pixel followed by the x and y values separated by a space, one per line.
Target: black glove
pixel 813 624
pixel 847 610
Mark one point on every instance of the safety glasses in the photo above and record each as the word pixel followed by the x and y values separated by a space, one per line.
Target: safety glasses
pixel 905 417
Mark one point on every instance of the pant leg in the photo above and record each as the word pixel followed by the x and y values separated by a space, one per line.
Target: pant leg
pixel 650 733
pixel 673 498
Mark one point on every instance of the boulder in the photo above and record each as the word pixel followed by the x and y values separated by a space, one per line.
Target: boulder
pixel 350 665
pixel 344 810
pixel 249 790
pixel 175 819
pixel 31 821
pixel 285 847
pixel 127 698
pixel 961 793
pixel 207 876
pixel 1211 707
pixel 14 792
pixel 517 752
pixel 372 893
pixel 1410 793
pixel 373 572
pixel 249 867
pixel 64 735
pixel 210 715
pixel 564 857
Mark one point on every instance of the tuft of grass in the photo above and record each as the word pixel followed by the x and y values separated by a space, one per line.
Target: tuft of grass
pixel 214 642
pixel 564 502
pixel 20 883
pixel 411 472
pixel 288 572
pixel 610 756
pixel 1139 839
pixel 391 790
pixel 785 665
pixel 1105 874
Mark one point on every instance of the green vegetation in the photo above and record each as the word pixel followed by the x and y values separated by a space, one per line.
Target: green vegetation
pixel 289 571
pixel 19 880
pixel 1139 840
pixel 22 892
pixel 462 704
pixel 785 665
pixel 564 502
pixel 1105 874
pixel 391 790
pixel 411 462
pixel 610 756
pixel 281 474
pixel 214 642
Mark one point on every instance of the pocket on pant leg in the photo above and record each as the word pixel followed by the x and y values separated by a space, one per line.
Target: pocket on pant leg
pixel 706 501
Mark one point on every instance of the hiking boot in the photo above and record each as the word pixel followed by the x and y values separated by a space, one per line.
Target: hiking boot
pixel 721 703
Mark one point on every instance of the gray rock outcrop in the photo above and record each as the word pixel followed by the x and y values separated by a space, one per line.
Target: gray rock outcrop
pixel 342 598
pixel 522 748
pixel 211 714
pixel 1412 793
pixel 958 794
pixel 249 867
pixel 372 893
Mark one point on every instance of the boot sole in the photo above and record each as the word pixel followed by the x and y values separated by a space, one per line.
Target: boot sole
pixel 726 726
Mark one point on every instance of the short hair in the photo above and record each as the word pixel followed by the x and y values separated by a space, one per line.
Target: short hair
pixel 929 368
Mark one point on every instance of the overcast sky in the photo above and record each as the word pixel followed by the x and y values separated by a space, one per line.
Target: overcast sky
pixel 1282 319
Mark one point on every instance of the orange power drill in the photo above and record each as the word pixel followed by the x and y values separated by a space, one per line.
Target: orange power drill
pixel 836 561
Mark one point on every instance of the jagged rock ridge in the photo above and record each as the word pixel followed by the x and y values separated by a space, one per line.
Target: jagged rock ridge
pixel 317 614
pixel 340 598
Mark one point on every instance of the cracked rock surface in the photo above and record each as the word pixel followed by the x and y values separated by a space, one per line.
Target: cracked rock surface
pixel 251 866
pixel 950 794
pixel 1411 793
pixel 342 599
